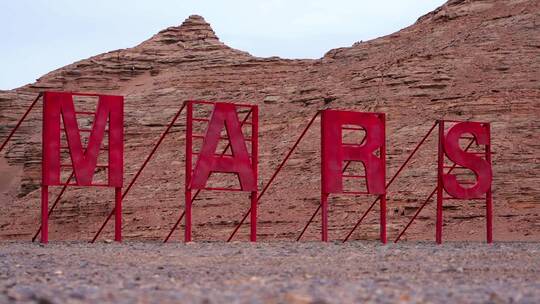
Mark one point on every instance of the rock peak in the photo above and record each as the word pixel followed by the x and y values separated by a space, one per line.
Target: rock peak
pixel 194 31
pixel 196 28
pixel 194 17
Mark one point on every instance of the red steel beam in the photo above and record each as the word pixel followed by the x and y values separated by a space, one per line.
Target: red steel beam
pixel 84 94
pixel 412 154
pixel 426 201
pixel 199 191
pixel 241 105
pixel 489 197
pixel 275 173
pixel 255 163
pixel 309 222
pixel 160 140
pixel 20 121
pixel 440 173
pixel 361 219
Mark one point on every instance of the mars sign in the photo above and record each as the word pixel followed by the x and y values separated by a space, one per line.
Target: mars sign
pixel 238 124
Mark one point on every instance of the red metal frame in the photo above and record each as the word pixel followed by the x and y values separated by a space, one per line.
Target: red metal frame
pixel 334 152
pixel 64 187
pixel 244 121
pixel 83 160
pixel 447 183
pixel 240 162
pixel 439 188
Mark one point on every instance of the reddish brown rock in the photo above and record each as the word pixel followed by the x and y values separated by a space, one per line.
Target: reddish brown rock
pixel 467 60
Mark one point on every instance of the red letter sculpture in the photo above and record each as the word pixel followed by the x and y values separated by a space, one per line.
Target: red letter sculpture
pixel 481 167
pixel 335 153
pixel 224 117
pixel 57 105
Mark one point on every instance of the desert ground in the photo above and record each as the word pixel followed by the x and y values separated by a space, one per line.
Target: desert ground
pixel 274 272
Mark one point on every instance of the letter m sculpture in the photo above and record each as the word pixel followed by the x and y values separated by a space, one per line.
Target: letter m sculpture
pixel 60 115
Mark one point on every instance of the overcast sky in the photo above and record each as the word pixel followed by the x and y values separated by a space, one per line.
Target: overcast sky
pixel 38 36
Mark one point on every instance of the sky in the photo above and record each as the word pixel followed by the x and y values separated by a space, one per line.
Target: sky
pixel 38 36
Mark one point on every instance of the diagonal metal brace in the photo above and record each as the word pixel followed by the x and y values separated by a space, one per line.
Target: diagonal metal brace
pixel 175 118
pixel 275 173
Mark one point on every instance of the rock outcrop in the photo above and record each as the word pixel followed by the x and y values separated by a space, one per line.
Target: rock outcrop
pixel 467 60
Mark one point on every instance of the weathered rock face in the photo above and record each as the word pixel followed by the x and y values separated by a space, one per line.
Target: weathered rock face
pixel 468 60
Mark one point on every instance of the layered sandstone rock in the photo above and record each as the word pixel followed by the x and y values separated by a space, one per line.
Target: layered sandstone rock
pixel 467 60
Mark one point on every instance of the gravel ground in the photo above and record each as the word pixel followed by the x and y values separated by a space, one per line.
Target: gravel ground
pixel 67 272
